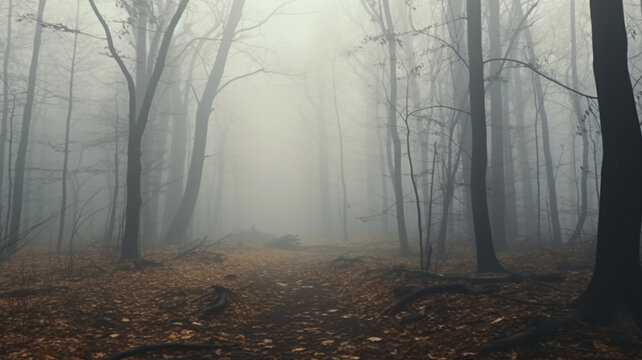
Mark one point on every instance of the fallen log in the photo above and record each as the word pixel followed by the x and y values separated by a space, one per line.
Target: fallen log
pixel 160 347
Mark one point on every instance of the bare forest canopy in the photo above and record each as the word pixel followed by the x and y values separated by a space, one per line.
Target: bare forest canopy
pixel 408 142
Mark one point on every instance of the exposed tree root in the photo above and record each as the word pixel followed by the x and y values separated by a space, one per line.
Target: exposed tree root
pixel 161 347
pixel 509 278
pixel 533 335
pixel 437 289
pixel 218 302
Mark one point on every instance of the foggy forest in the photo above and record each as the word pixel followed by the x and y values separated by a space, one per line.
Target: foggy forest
pixel 320 179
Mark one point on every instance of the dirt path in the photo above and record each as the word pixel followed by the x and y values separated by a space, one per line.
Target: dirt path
pixel 303 319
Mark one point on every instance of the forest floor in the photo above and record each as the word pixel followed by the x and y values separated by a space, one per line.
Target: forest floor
pixel 306 303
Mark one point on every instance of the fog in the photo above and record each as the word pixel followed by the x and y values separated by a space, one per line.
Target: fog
pixel 298 71
pixel 320 179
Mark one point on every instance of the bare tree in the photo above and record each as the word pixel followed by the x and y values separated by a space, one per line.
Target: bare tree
pixel 21 156
pixel 65 162
pixel 137 123
pixel 181 221
pixel 486 258
pixel 616 285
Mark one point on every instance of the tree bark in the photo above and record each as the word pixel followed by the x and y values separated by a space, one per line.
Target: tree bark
pixel 178 227
pixel 616 285
pixel 137 124
pixel 498 187
pixel 486 258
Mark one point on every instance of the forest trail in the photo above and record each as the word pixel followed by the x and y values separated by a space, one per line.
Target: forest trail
pixel 302 316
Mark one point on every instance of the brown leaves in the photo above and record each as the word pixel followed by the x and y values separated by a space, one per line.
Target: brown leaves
pixel 283 304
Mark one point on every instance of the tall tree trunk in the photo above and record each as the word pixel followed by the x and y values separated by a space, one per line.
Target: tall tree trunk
pixel 450 175
pixel 527 198
pixel 344 190
pixel 512 229
pixel 179 225
pixel 21 157
pixel 394 132
pixel 65 161
pixel 616 285
pixel 220 181
pixel 498 187
pixel 137 124
pixel 5 104
pixel 486 258
pixel 324 176
pixel 383 156
pixel 581 119
pixel 111 224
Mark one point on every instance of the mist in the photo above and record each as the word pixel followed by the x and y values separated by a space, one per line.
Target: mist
pixel 443 145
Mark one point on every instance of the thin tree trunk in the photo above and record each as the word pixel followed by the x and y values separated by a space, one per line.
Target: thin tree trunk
pixel 179 224
pixel 344 211
pixel 383 155
pixel 220 181
pixel 109 234
pixel 5 102
pixel 528 201
pixel 65 162
pixel 450 173
pixel 583 210
pixel 392 129
pixel 21 157
pixel 324 173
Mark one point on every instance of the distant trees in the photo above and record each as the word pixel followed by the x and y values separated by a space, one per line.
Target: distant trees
pixel 17 194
